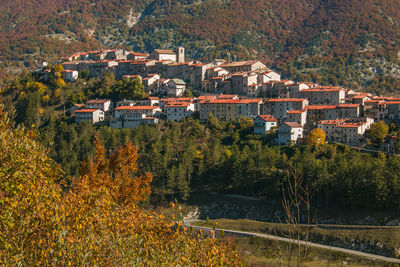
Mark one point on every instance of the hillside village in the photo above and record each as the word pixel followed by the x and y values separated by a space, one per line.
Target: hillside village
pixel 229 90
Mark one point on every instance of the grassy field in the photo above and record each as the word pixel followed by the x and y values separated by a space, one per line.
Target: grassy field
pixel 386 238
pixel 263 252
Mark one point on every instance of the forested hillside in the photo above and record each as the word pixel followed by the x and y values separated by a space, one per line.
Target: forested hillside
pixel 350 42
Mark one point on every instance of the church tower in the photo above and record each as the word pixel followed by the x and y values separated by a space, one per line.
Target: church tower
pixel 181 54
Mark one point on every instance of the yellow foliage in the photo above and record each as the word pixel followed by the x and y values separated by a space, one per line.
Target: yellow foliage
pixel 45 99
pixel 316 137
pixel 95 222
pixel 60 83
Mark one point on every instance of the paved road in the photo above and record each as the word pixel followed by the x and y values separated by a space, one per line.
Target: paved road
pixel 344 250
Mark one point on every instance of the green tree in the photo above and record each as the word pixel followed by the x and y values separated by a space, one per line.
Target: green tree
pixel 378 132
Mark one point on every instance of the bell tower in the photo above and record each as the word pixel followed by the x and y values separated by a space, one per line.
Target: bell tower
pixel 181 54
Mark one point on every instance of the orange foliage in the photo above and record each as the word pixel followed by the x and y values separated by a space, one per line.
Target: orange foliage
pixel 97 221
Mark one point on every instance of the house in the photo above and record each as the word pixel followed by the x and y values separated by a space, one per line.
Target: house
pixel 131 121
pixel 92 115
pixel 136 56
pixel 267 76
pixel 149 82
pixel 393 110
pixel 132 77
pixel 76 107
pixel 70 75
pixel 160 87
pixel 202 98
pixel 241 81
pixel 102 104
pixel 289 133
pixel 324 95
pixel 299 116
pixel 264 123
pixel 243 66
pixel 276 89
pixel 150 101
pixel 165 101
pixel 223 109
pixel 249 108
pixel 348 131
pixel 116 54
pixel 375 109
pixel 176 87
pixel 149 111
pixel 316 113
pixel 225 96
pixel 196 74
pixel 177 111
pixel 163 54
pixel 278 107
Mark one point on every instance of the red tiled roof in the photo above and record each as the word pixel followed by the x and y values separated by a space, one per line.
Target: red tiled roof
pixel 91 110
pixel 250 100
pixel 268 118
pixel 137 107
pixel 320 107
pixel 206 97
pixel 226 96
pixel 348 105
pixel 295 111
pixel 223 101
pixel 138 54
pixel 286 99
pixel 319 89
pixel 178 104
pixel 238 64
pixel 293 124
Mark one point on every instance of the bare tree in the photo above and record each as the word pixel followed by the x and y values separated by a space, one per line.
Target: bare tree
pixel 296 198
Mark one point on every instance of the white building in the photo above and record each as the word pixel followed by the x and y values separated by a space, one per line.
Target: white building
pixel 102 104
pixel 347 131
pixel 70 75
pixel 176 87
pixel 149 82
pixel 149 111
pixel 132 121
pixel 243 66
pixel 178 111
pixel 289 133
pixel 264 123
pixel 163 54
pixel 150 101
pixel 92 115
pixel 136 56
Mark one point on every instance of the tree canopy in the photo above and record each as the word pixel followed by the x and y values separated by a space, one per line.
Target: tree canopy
pixel 48 218
pixel 378 132
pixel 315 137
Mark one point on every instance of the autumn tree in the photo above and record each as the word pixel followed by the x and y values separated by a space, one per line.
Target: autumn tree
pixel 315 137
pixel 95 220
pixel 378 132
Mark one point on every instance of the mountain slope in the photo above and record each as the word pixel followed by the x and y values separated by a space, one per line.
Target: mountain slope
pixel 288 34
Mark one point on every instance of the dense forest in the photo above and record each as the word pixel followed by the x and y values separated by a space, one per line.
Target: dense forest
pixel 190 156
pixel 228 158
pixel 352 43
